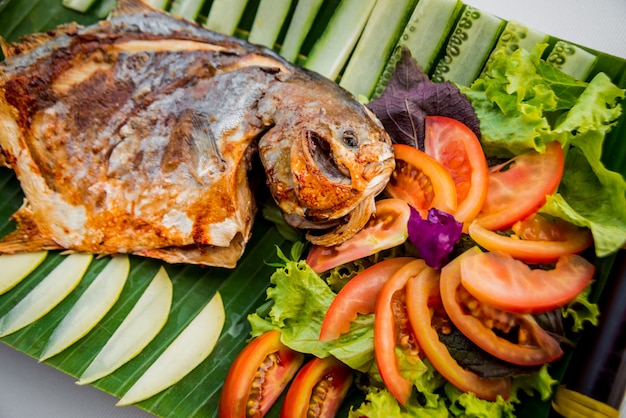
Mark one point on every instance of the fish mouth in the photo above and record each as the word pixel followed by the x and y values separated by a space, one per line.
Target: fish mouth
pixel 322 157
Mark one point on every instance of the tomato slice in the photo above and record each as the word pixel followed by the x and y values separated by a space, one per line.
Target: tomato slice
pixel 503 282
pixel 358 296
pixel 422 294
pixel 392 329
pixel 386 229
pixel 421 181
pixel 535 239
pixel 318 389
pixel 258 376
pixel 477 320
pixel 519 187
pixel 456 147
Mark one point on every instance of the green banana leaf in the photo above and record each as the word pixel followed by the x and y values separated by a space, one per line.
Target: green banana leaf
pixel 242 289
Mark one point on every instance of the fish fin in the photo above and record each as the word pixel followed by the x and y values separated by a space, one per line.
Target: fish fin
pixel 27 236
pixel 32 41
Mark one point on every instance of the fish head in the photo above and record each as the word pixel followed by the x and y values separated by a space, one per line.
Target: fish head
pixel 325 156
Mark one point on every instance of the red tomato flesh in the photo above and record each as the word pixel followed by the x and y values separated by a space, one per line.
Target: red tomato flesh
pixel 258 376
pixel 479 322
pixel 421 181
pixel 386 229
pixel 391 329
pixel 519 187
pixel 358 296
pixel 421 290
pixel 456 147
pixel 318 389
pixel 503 282
pixel 535 239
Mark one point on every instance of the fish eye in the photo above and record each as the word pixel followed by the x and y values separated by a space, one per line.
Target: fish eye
pixel 350 139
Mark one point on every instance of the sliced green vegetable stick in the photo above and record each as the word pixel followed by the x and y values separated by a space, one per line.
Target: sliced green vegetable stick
pixel 425 33
pixel 225 15
pixel 78 5
pixel 189 9
pixel 375 45
pixel 469 47
pixel 140 326
pixel 90 308
pixel 572 60
pixel 188 350
pixel 301 23
pixel 47 294
pixel 15 267
pixel 331 51
pixel 268 22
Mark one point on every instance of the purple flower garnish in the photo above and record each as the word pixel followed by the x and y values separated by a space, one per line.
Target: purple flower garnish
pixel 435 236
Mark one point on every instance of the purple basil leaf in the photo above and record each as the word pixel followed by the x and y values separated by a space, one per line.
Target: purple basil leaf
pixel 410 96
pixel 435 236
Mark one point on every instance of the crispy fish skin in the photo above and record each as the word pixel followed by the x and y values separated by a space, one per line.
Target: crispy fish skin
pixel 135 135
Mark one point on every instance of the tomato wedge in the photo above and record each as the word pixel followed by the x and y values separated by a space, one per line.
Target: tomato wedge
pixel 392 329
pixel 421 181
pixel 358 296
pixel 318 389
pixel 477 320
pixel 422 294
pixel 503 282
pixel 535 239
pixel 519 187
pixel 456 147
pixel 258 376
pixel 386 229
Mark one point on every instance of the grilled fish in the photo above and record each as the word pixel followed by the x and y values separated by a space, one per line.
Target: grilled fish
pixel 136 135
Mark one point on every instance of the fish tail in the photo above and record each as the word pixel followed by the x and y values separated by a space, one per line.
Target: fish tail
pixel 27 236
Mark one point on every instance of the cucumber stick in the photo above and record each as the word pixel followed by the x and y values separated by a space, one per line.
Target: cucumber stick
pixel 301 22
pixel 104 8
pixel 188 9
pixel 78 5
pixel 159 4
pixel 468 48
pixel 268 21
pixel 225 15
pixel 331 51
pixel 571 59
pixel 424 35
pixel 381 32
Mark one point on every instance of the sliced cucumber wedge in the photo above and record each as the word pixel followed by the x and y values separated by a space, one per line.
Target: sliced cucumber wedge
pixel 16 267
pixel 225 15
pixel 188 9
pixel 90 308
pixel 469 46
pixel 190 348
pixel 47 294
pixel 299 26
pixel 142 324
pixel 268 21
pixel 572 60
pixel 375 45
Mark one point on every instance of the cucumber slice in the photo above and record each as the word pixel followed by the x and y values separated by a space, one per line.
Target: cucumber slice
pixel 47 294
pixel 268 21
pixel 104 8
pixel 190 348
pixel 331 51
pixel 16 267
pixel 572 60
pixel 90 308
pixel 424 35
pixel 225 15
pixel 469 47
pixel 381 32
pixel 301 22
pixel 159 4
pixel 140 326
pixel 188 9
pixel 78 5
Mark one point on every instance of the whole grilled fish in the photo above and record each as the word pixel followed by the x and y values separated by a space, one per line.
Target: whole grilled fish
pixel 136 134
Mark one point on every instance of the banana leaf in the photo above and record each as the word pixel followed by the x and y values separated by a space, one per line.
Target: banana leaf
pixel 242 289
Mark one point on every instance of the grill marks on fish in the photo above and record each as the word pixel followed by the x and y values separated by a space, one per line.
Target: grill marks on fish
pixel 136 134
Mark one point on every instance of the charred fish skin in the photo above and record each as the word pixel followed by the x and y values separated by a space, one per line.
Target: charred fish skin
pixel 156 120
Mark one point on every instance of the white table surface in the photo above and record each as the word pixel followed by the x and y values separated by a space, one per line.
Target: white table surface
pixel 31 389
